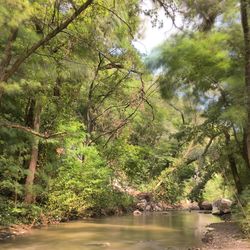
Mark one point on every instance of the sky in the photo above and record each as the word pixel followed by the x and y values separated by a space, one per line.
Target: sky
pixel 153 36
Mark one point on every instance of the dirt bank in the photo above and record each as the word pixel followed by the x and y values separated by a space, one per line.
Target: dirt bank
pixel 13 231
pixel 225 236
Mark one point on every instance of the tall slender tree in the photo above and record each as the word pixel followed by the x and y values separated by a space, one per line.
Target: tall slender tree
pixel 245 21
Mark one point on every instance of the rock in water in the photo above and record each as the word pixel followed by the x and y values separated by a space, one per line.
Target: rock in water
pixel 102 244
pixel 137 212
pixel 205 205
pixel 193 206
pixel 222 206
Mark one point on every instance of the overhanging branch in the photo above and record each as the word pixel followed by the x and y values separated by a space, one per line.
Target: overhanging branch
pixel 44 40
pixel 31 131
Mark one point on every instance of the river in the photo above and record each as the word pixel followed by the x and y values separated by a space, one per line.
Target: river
pixel 155 231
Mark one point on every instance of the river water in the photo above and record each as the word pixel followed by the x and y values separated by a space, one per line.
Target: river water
pixel 155 231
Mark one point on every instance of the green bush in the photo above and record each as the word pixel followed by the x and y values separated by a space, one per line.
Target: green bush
pixel 83 187
pixel 15 213
pixel 173 183
pixel 216 188
pixel 81 184
pixel 244 215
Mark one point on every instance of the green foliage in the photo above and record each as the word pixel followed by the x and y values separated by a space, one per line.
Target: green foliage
pixel 83 184
pixel 245 221
pixel 216 188
pixel 242 211
pixel 204 71
pixel 171 183
pixel 14 213
pixel 82 178
pixel 6 206
pixel 84 100
pixel 206 52
pixel 57 76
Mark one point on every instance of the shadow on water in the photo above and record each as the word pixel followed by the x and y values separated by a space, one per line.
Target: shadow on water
pixel 175 230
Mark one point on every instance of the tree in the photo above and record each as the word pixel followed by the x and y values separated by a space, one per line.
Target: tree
pixel 46 80
pixel 245 17
pixel 200 67
pixel 5 73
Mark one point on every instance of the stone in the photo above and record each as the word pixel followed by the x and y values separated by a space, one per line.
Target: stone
pixel 193 206
pixel 137 212
pixel 104 244
pixel 165 213
pixel 142 205
pixel 205 205
pixel 148 208
pixel 222 206
pixel 157 208
pixel 144 196
pixel 162 205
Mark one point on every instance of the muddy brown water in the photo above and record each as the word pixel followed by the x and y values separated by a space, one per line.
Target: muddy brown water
pixel 155 231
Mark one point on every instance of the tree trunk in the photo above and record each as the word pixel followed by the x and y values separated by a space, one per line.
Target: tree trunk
pixel 232 164
pixel 29 197
pixel 245 150
pixel 245 21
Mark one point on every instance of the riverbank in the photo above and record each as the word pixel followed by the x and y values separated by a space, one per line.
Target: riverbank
pixel 13 231
pixel 171 230
pixel 225 236
pixel 222 235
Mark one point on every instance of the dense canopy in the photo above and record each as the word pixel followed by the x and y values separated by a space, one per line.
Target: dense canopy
pixel 84 116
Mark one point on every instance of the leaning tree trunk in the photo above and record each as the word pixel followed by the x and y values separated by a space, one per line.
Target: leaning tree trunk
pixel 29 197
pixel 232 164
pixel 245 20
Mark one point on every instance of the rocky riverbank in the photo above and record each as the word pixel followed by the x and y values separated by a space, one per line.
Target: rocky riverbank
pixel 145 202
pixel 225 236
pixel 14 230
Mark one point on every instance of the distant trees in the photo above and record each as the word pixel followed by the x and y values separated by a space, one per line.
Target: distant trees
pixel 206 67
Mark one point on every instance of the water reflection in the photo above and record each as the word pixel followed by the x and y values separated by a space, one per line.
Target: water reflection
pixel 175 230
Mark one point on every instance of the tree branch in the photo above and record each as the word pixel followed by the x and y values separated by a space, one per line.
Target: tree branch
pixel 121 19
pixel 31 131
pixel 44 41
pixel 7 52
pixel 177 109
